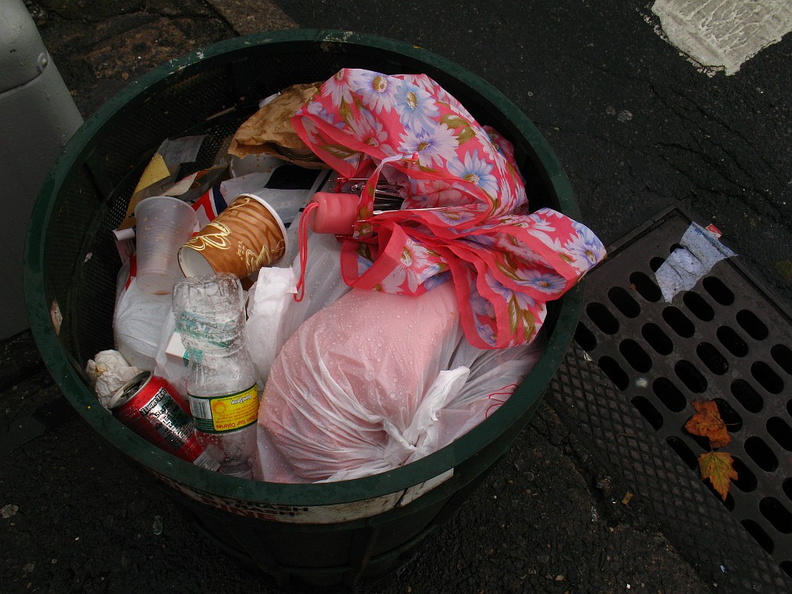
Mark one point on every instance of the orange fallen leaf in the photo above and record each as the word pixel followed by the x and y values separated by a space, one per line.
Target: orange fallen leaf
pixel 717 467
pixel 707 422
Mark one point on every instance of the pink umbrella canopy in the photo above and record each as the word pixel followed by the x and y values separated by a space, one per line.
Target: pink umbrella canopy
pixel 465 216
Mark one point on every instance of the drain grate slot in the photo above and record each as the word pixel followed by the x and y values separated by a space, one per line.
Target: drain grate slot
pixel 725 340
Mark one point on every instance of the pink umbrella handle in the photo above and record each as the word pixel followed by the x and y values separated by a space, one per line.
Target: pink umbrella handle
pixel 327 212
pixel 334 213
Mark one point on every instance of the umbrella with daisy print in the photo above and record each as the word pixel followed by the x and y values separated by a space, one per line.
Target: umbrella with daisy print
pixel 464 217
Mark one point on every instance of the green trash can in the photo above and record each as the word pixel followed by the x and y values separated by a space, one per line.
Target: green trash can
pixel 309 536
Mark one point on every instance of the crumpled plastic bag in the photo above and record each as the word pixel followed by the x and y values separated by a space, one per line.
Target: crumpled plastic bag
pixel 138 319
pixel 375 381
pixel 268 300
pixel 274 315
pixel 494 375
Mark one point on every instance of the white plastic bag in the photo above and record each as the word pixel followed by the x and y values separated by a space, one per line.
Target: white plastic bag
pixel 353 373
pixel 493 377
pixel 375 381
pixel 268 300
pixel 171 361
pixel 138 320
pixel 273 315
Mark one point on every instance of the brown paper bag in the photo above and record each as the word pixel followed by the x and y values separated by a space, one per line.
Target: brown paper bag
pixel 269 130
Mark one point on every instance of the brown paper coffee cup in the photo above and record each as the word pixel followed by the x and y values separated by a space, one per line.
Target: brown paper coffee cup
pixel 246 236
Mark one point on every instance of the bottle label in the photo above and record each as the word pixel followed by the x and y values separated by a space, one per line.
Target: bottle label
pixel 219 414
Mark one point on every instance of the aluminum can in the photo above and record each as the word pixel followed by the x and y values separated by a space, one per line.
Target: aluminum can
pixel 153 408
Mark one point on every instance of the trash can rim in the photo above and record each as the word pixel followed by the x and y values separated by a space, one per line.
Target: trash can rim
pixel 65 371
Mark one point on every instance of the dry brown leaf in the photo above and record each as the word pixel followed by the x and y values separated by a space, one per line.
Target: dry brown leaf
pixel 718 468
pixel 707 422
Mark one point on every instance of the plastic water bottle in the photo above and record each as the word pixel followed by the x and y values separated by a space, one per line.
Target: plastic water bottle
pixel 221 383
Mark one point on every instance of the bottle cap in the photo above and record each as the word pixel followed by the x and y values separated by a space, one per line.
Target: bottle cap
pixel 335 213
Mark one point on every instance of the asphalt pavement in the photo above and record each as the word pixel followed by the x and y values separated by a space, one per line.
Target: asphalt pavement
pixel 637 127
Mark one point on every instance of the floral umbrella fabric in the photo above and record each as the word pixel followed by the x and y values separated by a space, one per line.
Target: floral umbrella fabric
pixel 465 215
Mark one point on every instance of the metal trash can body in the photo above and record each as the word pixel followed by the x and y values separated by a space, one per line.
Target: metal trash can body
pixel 316 535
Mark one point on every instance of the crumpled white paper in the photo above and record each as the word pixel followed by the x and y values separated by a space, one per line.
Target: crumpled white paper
pixel 109 372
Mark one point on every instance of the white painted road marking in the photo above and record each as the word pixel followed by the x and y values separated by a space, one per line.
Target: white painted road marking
pixel 723 34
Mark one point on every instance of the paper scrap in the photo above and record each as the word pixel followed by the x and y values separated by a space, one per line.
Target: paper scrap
pixel 125 243
pixel 699 251
pixel 176 351
pixel 109 372
pixel 155 171
pixel 161 172
pixel 181 150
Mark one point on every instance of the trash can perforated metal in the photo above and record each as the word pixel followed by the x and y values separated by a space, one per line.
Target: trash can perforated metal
pixel 316 535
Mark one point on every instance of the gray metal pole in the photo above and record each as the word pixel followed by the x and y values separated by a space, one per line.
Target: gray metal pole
pixel 37 118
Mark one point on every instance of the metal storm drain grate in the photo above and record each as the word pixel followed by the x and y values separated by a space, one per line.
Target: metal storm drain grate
pixel 639 355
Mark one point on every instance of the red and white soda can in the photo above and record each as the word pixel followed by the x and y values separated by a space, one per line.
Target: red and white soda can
pixel 153 408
